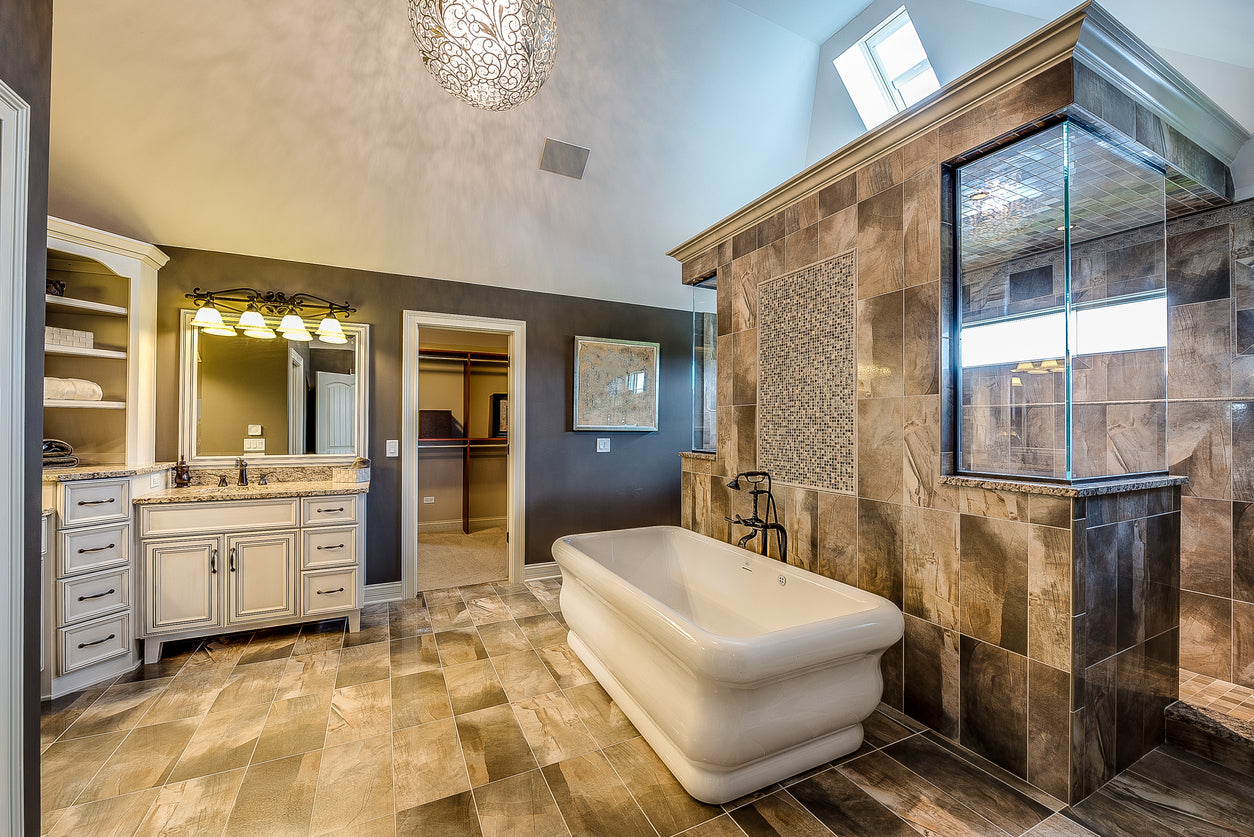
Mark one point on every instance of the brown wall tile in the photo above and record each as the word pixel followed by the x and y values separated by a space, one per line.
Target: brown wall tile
pixel 932 565
pixel 1199 350
pixel 995 704
pixel 1049 729
pixel 1243 644
pixel 923 465
pixel 801 214
pixel 921 221
pixel 838 537
pixel 921 345
pixel 838 233
pixel 881 250
pixel 835 197
pixel 744 363
pixel 1243 451
pixel 1206 546
pixel 880 563
pixel 1199 446
pixel 880 448
pixel 920 155
pixel 879 354
pixel 801 248
pixel 878 175
pixel 994 596
pixel 1049 596
pixel 801 521
pixel 745 273
pixel 1242 551
pixel 932 676
pixel 1206 634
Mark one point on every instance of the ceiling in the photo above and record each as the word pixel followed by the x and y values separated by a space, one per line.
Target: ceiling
pixel 309 130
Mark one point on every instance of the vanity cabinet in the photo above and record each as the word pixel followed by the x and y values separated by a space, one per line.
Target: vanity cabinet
pixel 218 566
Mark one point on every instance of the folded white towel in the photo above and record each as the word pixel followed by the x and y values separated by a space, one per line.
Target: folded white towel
pixel 71 389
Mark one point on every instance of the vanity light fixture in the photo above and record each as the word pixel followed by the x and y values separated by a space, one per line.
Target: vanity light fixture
pixel 253 306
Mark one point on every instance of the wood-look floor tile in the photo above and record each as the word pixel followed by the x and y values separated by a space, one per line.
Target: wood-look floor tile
pixel 174 656
pixel 473 686
pixel 665 802
pixel 193 808
pixel 751 797
pixel 270 644
pixel 452 815
pixel 408 619
pixel 427 764
pixel 998 803
pixel 1106 815
pixel 602 716
pixel 443 597
pixel 1184 796
pixel 419 699
pixel 363 664
pixel 593 800
pixel 49 819
pixel 913 799
pixel 542 630
pixel 276 798
pixel 354 785
pixel 188 696
pixel 368 635
pixel 565 665
pixel 547 596
pixel 1059 826
pixel 358 712
pixel 504 588
pixel 56 716
pixel 446 617
pixel 317 637
pixel 847 809
pixel 721 826
pixel 223 741
pixel 412 654
pixel 382 827
pixel 519 806
pixel 119 708
pixel 879 730
pixel 117 816
pixel 219 652
pixel 295 725
pixel 524 675
pixel 309 674
pixel 460 646
pixel 493 745
pixel 486 609
pixel 522 605
pixel 553 728
pixel 778 815
pixel 1001 774
pixel 249 685
pixel 143 760
pixel 68 765
pixel 502 638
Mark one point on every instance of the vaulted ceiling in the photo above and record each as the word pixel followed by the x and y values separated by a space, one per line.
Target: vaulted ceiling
pixel 310 131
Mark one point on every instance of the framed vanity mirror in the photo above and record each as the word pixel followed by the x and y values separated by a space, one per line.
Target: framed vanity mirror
pixel 290 402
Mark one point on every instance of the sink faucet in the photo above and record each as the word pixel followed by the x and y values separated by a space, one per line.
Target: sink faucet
pixel 766 524
pixel 243 471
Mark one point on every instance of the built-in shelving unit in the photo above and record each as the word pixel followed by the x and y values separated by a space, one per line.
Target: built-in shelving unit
pixel 63 404
pixel 81 351
pixel 84 305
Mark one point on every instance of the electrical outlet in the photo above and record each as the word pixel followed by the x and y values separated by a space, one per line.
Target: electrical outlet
pixel 156 480
pixel 603 445
pixel 428 500
pixel 393 447
pixel 254 446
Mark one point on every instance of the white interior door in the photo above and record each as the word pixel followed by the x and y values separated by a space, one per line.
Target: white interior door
pixel 335 398
pixel 295 402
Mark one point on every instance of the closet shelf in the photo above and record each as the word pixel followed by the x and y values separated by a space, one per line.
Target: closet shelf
pixel 84 306
pixel 62 403
pixel 77 351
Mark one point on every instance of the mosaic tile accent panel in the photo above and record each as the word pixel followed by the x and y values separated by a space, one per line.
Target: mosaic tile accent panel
pixel 806 324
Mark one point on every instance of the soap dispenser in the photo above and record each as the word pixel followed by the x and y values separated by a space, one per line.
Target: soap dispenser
pixel 182 473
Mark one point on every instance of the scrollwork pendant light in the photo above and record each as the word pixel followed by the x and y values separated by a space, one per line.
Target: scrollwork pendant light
pixel 492 54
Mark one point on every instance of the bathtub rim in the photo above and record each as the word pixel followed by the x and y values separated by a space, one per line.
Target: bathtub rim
pixel 737 661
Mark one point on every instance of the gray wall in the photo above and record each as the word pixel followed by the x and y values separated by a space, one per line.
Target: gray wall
pixel 570 488
pixel 26 66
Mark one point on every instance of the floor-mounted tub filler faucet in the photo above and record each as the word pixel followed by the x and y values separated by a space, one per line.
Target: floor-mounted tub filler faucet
pixel 760 483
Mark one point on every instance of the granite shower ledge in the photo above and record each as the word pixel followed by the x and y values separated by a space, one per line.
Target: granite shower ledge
pixel 1088 489
pixel 699 455
pixel 101 472
pixel 275 491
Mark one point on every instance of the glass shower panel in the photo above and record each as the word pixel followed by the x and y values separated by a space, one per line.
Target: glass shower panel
pixel 704 364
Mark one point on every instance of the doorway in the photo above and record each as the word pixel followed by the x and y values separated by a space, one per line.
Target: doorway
pixel 462 443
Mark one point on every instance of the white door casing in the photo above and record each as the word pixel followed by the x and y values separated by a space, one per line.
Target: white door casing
pixel 335 396
pixel 295 402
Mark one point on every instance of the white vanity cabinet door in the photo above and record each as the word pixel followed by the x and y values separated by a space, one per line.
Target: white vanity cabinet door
pixel 261 576
pixel 181 584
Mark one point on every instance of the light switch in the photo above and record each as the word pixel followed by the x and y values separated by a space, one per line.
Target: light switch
pixel 428 500
pixel 254 430
pixel 254 446
pixel 603 445
pixel 393 447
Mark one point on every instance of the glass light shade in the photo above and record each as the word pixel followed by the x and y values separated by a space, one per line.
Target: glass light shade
pixel 259 333
pixel 335 339
pixel 252 319
pixel 224 331
pixel 291 322
pixel 492 54
pixel 329 327
pixel 208 317
pixel 298 335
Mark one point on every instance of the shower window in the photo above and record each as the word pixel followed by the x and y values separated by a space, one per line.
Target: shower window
pixel 704 364
pixel 1061 310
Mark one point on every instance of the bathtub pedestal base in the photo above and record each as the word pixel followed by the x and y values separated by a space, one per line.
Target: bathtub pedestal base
pixel 704 782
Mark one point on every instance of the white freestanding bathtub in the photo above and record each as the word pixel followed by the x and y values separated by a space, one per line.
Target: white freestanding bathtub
pixel 738 670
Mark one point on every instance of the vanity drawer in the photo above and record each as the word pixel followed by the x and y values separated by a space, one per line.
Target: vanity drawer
pixel 329 590
pixel 94 642
pixel 88 596
pixel 84 550
pixel 158 520
pixel 315 511
pixel 94 501
pixel 329 547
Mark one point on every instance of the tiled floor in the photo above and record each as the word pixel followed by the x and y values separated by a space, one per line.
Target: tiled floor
pixel 468 714
pixel 1218 695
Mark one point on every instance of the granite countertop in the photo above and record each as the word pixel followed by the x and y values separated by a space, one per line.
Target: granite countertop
pixel 273 491
pixel 1115 485
pixel 101 472
pixel 698 454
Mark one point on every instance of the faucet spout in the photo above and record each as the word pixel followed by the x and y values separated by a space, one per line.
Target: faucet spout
pixel 760 486
pixel 243 471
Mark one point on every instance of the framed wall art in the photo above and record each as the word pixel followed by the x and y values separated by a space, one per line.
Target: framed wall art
pixel 616 386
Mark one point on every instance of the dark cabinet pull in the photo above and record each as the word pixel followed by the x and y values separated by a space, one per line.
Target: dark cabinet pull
pixel 108 592
pixel 232 559
pixel 337 546
pixel 213 561
pixel 97 642
pixel 327 592
pixel 325 511
pixel 96 502
pixel 97 549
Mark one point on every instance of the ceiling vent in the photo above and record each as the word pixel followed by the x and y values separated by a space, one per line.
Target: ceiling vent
pixel 563 158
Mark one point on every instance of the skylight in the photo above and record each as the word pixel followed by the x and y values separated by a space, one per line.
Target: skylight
pixel 887 71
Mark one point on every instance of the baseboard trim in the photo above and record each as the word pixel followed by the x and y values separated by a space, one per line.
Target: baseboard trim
pixel 388 591
pixel 476 523
pixel 536 572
